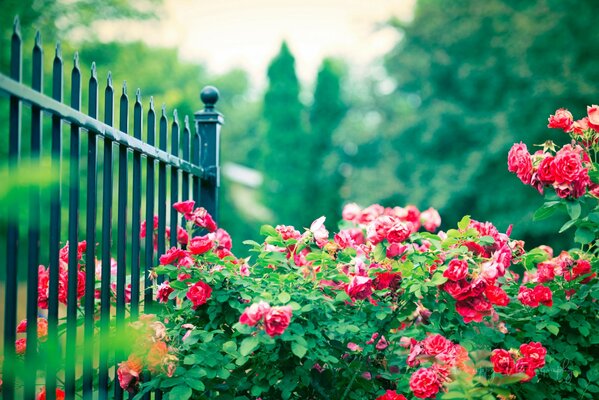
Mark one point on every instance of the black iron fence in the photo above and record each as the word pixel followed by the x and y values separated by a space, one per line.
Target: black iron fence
pixel 111 169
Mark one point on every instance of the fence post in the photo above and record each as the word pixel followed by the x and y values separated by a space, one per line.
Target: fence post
pixel 208 122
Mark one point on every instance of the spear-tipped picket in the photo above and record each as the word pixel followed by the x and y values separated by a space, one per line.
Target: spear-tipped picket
pixel 174 177
pixel 136 209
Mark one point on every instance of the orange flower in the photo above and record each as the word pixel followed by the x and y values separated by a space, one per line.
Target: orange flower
pixel 156 355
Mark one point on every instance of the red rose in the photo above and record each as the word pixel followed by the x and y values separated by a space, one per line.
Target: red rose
pixel 520 162
pixel 385 280
pixel 391 395
pixel 497 296
pixel 424 383
pixel 43 276
pixel 60 394
pixel 502 362
pixel 527 297
pixel 222 237
pixel 436 344
pixel 184 207
pixel 543 295
pixel 562 119
pixel 277 320
pixel 182 235
pixel 288 232
pixel 359 288
pixel 545 171
pixel 456 270
pixel 545 272
pixel 199 293
pixel 200 245
pixel 164 290
pixel 525 365
pixel 535 352
pixel 351 212
pixel 201 218
pixel 254 313
pixel 473 309
pixel 171 256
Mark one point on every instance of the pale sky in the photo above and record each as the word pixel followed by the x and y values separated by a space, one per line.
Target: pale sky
pixel 223 34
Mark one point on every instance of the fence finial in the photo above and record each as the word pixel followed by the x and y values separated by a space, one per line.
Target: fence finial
pixel 164 110
pixel 16 27
pixel 175 115
pixel 151 102
pixel 38 39
pixel 58 50
pixel 124 88
pixel 94 72
pixel 209 97
pixel 138 95
pixel 186 121
pixel 76 60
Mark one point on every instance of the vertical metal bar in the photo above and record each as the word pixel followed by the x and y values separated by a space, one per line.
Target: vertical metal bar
pixel 208 123
pixel 106 242
pixel 195 159
pixel 12 243
pixel 185 143
pixel 72 279
pixel 55 222
pixel 31 362
pixel 136 208
pixel 90 237
pixel 174 179
pixel 162 189
pixel 148 295
pixel 121 247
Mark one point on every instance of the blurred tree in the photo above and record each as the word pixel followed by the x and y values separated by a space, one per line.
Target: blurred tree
pixel 483 75
pixel 285 152
pixel 326 113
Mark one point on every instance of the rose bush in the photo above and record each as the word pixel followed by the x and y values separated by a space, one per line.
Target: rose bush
pixel 387 307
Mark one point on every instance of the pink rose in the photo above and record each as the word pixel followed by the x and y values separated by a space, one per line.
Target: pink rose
pixel 593 113
pixel 171 256
pixel 562 119
pixel 398 232
pixel 128 373
pixel 436 344
pixel 497 296
pixel 277 320
pixel 321 235
pixel 20 346
pixel 566 166
pixel 254 313
pixel 351 212
pixel 288 232
pixel 430 219
pixel 199 294
pixel 545 171
pixel 222 237
pixel 456 270
pixel 359 288
pixel 391 395
pixel 182 235
pixel 520 162
pixel 424 383
pixel 200 245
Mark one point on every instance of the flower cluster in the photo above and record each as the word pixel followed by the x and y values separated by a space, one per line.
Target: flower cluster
pixel 274 320
pixel 527 360
pixel 566 170
pixel 63 276
pixel 442 355
pixel 473 278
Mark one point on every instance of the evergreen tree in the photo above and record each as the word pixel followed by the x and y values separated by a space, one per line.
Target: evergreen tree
pixel 285 159
pixel 486 75
pixel 328 109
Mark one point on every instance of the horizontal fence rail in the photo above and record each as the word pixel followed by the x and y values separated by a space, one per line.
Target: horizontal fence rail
pixel 87 240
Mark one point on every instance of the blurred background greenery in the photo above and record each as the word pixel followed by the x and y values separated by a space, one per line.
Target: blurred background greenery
pixel 431 126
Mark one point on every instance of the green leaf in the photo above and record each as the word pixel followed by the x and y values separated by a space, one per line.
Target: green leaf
pixel 284 297
pixel 464 222
pixel 195 384
pixel 544 212
pixel 574 209
pixel 553 329
pixel 190 359
pixel 267 230
pixel 567 225
pixel 507 379
pixel 298 349
pixel 584 235
pixel 181 392
pixel 229 347
pixel 248 345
